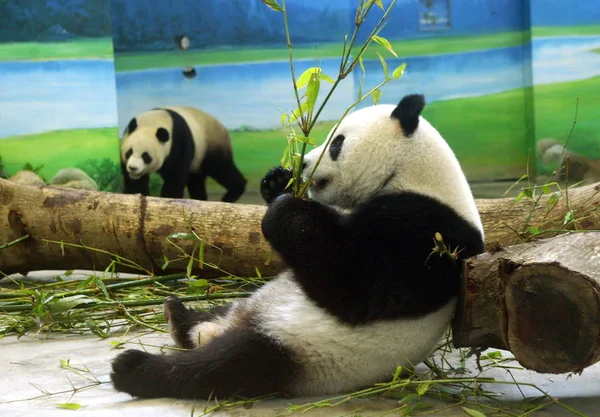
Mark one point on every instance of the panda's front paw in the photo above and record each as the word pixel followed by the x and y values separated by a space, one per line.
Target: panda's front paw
pixel 285 216
pixel 274 183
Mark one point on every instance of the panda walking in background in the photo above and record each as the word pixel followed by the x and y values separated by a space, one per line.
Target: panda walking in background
pixel 184 145
pixel 362 295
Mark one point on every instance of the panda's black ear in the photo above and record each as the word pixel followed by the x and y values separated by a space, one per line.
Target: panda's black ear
pixel 408 111
pixel 162 135
pixel 131 126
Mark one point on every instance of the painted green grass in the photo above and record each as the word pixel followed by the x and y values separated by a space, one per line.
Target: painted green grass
pixel 487 133
pixel 93 48
pixel 454 44
pixel 555 106
pixel 544 31
pixel 58 149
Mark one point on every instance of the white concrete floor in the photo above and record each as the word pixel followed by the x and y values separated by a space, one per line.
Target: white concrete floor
pixel 31 366
pixel 30 370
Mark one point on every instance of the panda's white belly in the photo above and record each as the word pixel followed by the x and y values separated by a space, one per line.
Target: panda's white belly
pixel 338 357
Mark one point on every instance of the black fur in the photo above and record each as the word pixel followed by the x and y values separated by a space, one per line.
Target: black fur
pixel 218 164
pixel 139 186
pixel 274 183
pixel 131 126
pixel 335 147
pixel 408 111
pixel 252 363
pixel 372 264
pixel 162 135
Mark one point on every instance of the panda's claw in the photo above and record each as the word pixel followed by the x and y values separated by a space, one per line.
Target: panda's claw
pixel 274 183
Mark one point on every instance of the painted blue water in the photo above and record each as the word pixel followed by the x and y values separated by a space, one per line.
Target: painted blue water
pixel 253 94
pixel 43 96
pixel 53 95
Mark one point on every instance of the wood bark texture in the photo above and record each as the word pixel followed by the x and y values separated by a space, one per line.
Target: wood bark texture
pixel 136 228
pixel 540 300
pixel 131 226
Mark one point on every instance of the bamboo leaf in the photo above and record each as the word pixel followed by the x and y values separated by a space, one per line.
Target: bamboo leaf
pixel 399 71
pixel 69 406
pixel 307 140
pixel 67 303
pixel 410 398
pixel 568 218
pixel 326 77
pixel 198 284
pixel 494 355
pixel 386 73
pixel 553 200
pixel 397 373
pixel 312 92
pixel 519 197
pixel 298 112
pixel 101 286
pixel 306 76
pixel 423 388
pixel 376 96
pixel 273 5
pixel 190 265
pixel 201 254
pixel 379 3
pixel 386 44
pixel 362 65
pixel 473 413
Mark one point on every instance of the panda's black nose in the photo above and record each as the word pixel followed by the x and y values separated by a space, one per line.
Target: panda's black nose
pixel 132 168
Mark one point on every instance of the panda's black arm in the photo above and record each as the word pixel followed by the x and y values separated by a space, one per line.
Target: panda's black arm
pixel 372 264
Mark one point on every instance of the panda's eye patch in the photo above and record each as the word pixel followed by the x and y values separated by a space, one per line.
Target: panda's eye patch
pixel 128 153
pixel 147 158
pixel 335 147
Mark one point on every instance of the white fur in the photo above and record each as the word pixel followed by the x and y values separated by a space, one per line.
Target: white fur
pixel 424 163
pixel 207 132
pixel 205 332
pixel 335 356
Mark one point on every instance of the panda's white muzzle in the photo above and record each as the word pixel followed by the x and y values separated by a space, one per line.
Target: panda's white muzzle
pixel 135 170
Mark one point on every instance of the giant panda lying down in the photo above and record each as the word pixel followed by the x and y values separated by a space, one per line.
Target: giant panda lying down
pixel 360 297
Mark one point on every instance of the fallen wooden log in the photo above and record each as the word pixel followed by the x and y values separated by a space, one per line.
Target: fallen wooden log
pixel 95 226
pixel 136 227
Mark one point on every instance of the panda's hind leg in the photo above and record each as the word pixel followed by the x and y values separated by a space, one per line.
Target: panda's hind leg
pixel 187 325
pixel 221 167
pixel 196 186
pixel 241 362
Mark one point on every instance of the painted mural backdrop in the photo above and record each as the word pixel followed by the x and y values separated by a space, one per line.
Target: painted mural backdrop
pixel 502 77
pixel 57 88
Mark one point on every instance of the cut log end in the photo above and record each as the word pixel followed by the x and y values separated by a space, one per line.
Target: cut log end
pixel 550 317
pixel 539 300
